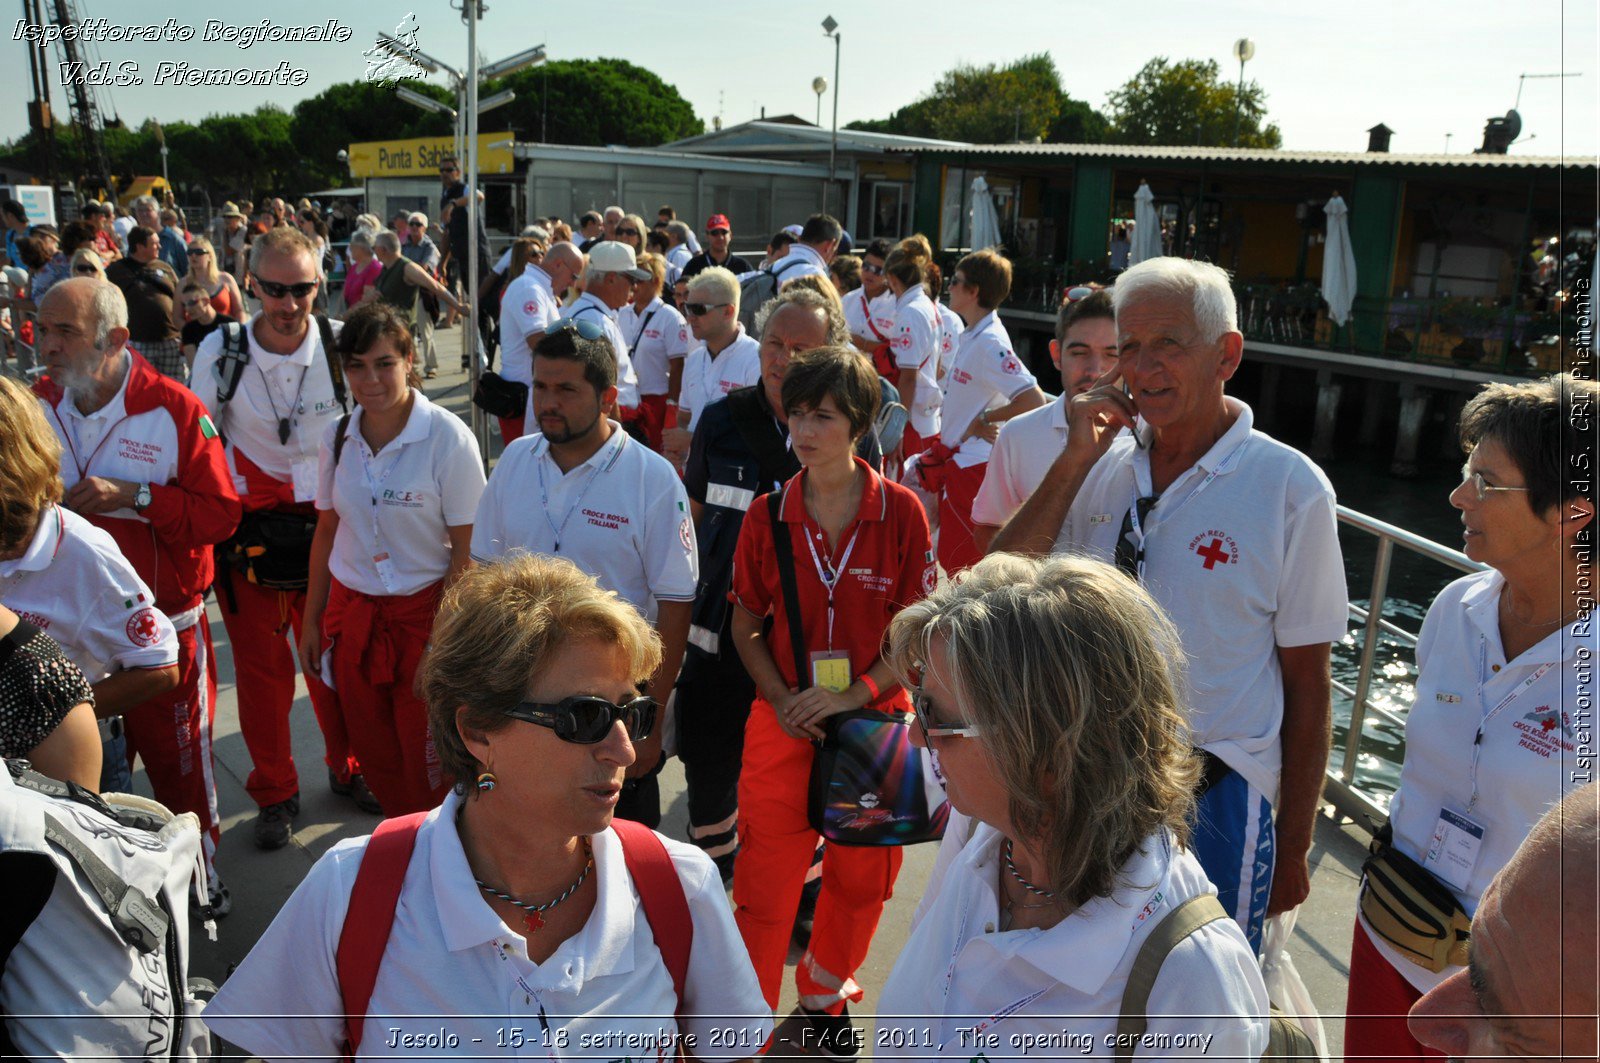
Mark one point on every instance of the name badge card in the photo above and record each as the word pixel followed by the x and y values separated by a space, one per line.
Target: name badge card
pixel 385 566
pixel 1454 850
pixel 831 670
pixel 304 472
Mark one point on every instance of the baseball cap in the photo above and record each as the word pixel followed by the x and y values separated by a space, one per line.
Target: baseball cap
pixel 612 256
pixel 718 221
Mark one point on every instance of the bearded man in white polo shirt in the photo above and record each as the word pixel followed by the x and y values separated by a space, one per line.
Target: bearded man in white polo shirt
pixel 582 488
pixel 1235 535
pixel 530 306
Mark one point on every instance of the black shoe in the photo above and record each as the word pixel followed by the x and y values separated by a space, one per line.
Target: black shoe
pixel 833 1036
pixel 273 823
pixel 356 790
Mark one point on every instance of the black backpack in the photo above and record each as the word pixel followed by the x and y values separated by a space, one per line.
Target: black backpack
pixel 756 290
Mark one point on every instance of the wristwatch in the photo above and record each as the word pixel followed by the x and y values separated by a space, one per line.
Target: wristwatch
pixel 141 498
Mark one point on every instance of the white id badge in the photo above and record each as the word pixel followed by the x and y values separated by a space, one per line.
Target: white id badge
pixel 1453 853
pixel 385 566
pixel 304 472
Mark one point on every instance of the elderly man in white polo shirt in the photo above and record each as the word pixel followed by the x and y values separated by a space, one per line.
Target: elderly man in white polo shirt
pixel 1235 535
pixel 608 284
pixel 723 359
pixel 1084 348
pixel 530 306
pixel 584 489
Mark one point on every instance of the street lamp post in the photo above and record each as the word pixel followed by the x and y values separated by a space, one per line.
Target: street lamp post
pixel 830 28
pixel 1244 49
pixel 819 86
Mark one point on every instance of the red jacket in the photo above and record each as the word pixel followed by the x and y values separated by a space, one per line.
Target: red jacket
pixel 165 439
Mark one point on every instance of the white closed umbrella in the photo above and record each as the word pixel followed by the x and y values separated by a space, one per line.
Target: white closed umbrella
pixel 1146 226
pixel 985 222
pixel 1338 262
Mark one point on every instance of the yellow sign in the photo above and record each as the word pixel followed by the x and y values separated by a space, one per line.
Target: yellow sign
pixel 420 157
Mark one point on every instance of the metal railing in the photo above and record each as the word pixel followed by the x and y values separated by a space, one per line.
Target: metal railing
pixel 1342 787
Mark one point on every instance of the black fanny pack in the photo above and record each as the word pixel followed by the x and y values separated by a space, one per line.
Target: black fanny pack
pixel 272 548
pixel 500 397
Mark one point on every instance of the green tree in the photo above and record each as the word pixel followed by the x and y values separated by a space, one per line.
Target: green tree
pixel 352 111
pixel 594 102
pixel 1188 102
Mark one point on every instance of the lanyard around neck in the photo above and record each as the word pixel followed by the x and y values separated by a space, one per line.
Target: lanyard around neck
pixel 829 573
pixel 1500 706
pixel 557 530
pixel 1223 466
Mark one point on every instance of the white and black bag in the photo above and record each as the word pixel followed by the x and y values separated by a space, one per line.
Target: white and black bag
pixel 94 934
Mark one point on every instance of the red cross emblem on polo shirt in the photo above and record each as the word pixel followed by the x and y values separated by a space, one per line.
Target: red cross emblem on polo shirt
pixel 142 628
pixel 1214 554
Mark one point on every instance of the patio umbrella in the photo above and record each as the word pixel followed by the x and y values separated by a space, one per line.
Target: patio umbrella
pixel 1146 226
pixel 1338 262
pixel 985 222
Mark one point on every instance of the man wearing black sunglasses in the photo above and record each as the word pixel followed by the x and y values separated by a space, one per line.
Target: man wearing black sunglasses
pixel 1235 535
pixel 582 488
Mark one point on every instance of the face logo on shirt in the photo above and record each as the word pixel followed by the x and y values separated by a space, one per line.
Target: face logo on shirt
pixel 143 629
pixel 404 499
pixel 1546 731
pixel 1214 548
pixel 1151 908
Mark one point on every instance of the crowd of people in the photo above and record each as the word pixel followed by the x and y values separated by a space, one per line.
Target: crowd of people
pixel 739 504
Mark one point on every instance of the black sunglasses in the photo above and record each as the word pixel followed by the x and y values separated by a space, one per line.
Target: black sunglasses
pixel 876 271
pixel 628 232
pixel 702 309
pixel 587 329
pixel 278 291
pixel 1129 554
pixel 586 719
pixel 85 269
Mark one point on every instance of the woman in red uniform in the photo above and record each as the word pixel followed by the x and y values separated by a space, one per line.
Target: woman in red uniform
pixel 395 504
pixel 861 553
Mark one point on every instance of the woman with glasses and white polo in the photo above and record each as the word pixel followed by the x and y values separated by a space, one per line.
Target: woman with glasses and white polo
pixel 1503 669
pixel 396 497
pixel 525 920
pixel 1049 691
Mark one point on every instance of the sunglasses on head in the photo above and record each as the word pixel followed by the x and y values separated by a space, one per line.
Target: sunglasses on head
pixel 585 328
pixel 1077 292
pixel 586 719
pixel 702 309
pixel 279 291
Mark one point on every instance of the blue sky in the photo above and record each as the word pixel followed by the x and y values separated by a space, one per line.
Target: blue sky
pixel 1330 71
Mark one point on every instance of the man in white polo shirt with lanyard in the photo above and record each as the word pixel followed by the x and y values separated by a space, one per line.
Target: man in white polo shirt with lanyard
pixel 583 489
pixel 1235 535
pixel 530 306
pixel 724 358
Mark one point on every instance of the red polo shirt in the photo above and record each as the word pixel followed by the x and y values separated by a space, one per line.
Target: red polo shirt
pixel 889 567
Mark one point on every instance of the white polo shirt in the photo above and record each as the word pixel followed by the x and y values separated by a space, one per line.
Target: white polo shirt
pixel 452 963
pixel 528 306
pixel 1242 552
pixel 680 255
pixel 984 373
pixel 75 586
pixel 621 516
pixel 863 315
pixel 951 327
pixel 587 307
pixel 960 980
pixel 655 336
pixel 1018 461
pixel 397 506
pixel 803 260
pixel 1530 711
pixel 915 344
pixel 707 379
pixel 273 386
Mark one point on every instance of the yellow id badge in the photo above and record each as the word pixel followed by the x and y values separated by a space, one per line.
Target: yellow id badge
pixel 831 670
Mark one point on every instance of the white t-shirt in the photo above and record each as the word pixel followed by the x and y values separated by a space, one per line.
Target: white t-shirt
pixel 983 374
pixel 296 386
pixel 398 504
pixel 707 380
pixel 451 962
pixel 622 516
pixel 915 344
pixel 1242 552
pixel 1527 760
pixel 587 307
pixel 75 586
pixel 656 336
pixel 1018 461
pixel 862 315
pixel 803 260
pixel 959 971
pixel 527 307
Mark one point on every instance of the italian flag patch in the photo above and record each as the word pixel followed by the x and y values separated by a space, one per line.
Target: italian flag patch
pixel 207 429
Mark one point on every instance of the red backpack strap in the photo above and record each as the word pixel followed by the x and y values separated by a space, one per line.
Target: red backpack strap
pixel 373 900
pixel 661 896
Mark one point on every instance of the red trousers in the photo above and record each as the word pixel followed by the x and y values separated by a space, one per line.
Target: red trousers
pixel 377 644
pixel 264 668
pixel 1376 1005
pixel 776 846
pixel 957 549
pixel 510 429
pixel 653 417
pixel 172 735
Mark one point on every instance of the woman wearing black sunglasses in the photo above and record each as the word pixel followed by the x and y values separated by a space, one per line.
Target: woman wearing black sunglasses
pixel 524 916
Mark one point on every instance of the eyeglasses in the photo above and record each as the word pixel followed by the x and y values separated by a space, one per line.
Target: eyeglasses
pixel 584 327
pixel 1129 555
pixel 702 309
pixel 586 719
pixel 876 271
pixel 920 703
pixel 628 232
pixel 278 291
pixel 1478 484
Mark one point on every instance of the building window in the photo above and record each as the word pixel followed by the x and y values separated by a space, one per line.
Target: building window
pixel 890 211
